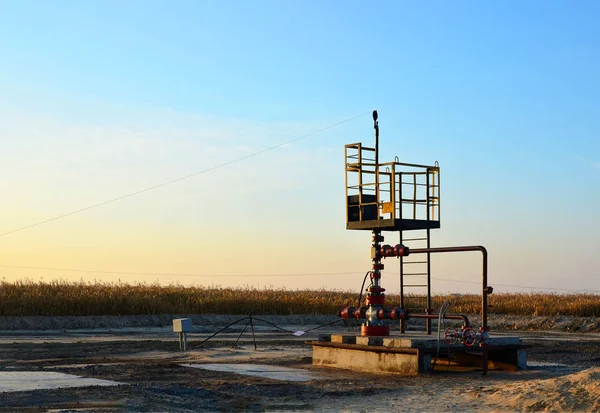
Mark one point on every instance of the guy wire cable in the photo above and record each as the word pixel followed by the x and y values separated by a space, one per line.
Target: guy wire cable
pixel 131 194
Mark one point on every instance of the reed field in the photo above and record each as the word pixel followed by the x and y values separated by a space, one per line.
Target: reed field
pixel 58 298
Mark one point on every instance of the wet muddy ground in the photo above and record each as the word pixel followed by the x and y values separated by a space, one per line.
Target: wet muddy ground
pixel 153 378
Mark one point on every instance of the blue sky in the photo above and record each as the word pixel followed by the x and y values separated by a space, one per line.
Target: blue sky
pixel 99 99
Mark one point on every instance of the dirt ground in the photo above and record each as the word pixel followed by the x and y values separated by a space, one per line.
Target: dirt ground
pixel 564 375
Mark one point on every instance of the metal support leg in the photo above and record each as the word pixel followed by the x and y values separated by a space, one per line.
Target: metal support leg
pixel 253 337
pixel 182 341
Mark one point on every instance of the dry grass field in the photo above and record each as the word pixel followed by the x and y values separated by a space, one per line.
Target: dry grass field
pixel 59 298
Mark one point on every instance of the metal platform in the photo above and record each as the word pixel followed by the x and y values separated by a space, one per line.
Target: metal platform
pixel 393 224
pixel 413 354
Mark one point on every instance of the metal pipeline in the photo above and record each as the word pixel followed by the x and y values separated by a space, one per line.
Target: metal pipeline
pixel 462 317
pixel 486 290
pixel 397 313
pixel 350 312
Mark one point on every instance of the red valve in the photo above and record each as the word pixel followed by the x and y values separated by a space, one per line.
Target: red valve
pixel 401 251
pixel 360 313
pixel 347 312
pixel 396 313
pixel 385 251
pixel 469 336
pixel 398 250
pixel 451 335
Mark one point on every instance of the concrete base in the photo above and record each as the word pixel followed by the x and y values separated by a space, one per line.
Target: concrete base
pixel 413 354
pixel 370 359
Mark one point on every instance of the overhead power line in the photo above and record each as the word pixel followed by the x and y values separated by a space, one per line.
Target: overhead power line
pixel 141 191
pixel 166 274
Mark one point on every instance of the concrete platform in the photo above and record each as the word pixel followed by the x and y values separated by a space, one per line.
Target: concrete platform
pixel 414 353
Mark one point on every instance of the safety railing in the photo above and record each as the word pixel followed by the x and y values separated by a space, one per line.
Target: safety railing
pixel 392 190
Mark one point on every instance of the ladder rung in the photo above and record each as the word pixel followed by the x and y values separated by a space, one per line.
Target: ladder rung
pixel 416 285
pixel 414 273
pixel 415 262
pixel 415 239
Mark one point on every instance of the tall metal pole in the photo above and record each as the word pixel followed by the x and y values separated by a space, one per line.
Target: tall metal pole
pixel 376 127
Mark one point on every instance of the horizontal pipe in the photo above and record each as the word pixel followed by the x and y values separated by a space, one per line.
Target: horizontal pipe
pixel 484 275
pixel 484 293
pixel 462 317
pixel 360 313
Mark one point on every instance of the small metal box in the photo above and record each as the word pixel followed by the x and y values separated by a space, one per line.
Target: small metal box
pixel 182 325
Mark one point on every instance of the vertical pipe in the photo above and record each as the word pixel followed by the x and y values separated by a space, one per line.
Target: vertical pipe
pixel 484 305
pixel 428 322
pixel 377 259
pixel 376 127
pixel 484 298
pixel 439 194
pixel 393 191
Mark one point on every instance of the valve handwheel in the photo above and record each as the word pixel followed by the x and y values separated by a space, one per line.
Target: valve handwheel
pixel 451 335
pixel 469 337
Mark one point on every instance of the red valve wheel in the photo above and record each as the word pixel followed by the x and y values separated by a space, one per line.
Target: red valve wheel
pixel 451 335
pixel 469 337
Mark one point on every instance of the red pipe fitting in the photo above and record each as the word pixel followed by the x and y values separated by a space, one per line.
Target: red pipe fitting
pixel 386 251
pixel 347 312
pixel 351 312
pixel 396 313
pixel 401 251
pixel 397 250
pixel 367 331
pixel 375 299
pixel 360 313
pixel 375 275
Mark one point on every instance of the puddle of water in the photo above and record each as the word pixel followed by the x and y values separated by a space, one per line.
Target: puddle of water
pixel 544 364
pixel 260 370
pixel 11 381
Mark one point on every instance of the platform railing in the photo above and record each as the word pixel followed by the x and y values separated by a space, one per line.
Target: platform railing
pixel 392 190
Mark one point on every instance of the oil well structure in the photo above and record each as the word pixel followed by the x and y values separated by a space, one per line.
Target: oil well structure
pixel 404 198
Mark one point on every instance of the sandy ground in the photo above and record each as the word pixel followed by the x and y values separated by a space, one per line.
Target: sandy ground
pixel 564 375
